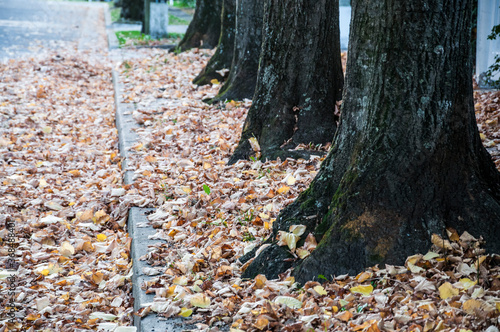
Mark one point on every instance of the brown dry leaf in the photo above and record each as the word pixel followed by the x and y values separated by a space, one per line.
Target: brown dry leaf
pixel 344 316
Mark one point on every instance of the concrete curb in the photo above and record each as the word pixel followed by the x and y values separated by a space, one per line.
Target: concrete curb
pixel 138 225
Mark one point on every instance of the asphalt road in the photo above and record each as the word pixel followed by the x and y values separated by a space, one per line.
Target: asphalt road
pixel 27 25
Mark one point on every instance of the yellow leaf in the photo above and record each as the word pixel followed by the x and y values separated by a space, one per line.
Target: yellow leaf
pixel 45 272
pixel 483 137
pixel 261 323
pixel 320 290
pixel 413 268
pixel 467 283
pixel 71 203
pixel 66 249
pixel 290 302
pixel 362 289
pixel 290 180
pixel 263 216
pixel 302 253
pixel 363 276
pixel 185 312
pixel 479 261
pixel 297 229
pixel 215 81
pixel 75 172
pixel 288 239
pixel 260 281
pixel 446 290
pixel 470 306
pixel 87 246
pixel 200 300
pixel 254 144
pixel 283 190
pixel 32 317
pixel 413 259
pixel 185 189
pixel 100 217
pixel 206 165
pixel 42 184
pixel 101 237
pixel 98 277
pixel 181 281
pixel 498 306
pixel 430 255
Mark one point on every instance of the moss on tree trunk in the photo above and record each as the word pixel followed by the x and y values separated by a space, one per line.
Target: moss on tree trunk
pixel 299 81
pixel 204 29
pixel 407 160
pixel 223 56
pixel 248 42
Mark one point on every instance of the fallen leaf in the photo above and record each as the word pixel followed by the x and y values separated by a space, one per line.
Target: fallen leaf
pixel 446 290
pixel 362 289
pixel 290 302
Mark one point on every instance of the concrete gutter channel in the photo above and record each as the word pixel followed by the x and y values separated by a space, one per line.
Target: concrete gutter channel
pixel 137 216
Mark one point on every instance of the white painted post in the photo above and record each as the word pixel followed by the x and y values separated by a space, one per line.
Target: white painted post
pixel 488 15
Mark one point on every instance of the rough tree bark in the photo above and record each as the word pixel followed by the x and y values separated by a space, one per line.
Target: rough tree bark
pixel 248 43
pixel 204 29
pixel 407 160
pixel 299 80
pixel 223 56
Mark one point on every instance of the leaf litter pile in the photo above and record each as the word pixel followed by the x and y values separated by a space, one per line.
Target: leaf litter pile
pixel 60 183
pixel 210 214
pixel 62 186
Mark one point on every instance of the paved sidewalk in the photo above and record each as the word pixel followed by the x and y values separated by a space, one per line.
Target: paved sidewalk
pixel 26 25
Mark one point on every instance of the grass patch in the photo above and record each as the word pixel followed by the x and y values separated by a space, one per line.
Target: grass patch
pixel 174 20
pixel 134 38
pixel 184 3
pixel 115 14
pixel 125 36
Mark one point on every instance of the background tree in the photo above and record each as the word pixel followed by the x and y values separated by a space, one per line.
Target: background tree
pixel 299 81
pixel 132 10
pixel 223 56
pixel 204 29
pixel 248 43
pixel 407 160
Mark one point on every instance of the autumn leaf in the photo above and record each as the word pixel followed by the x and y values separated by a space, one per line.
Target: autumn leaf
pixel 320 290
pixel 446 290
pixel 185 312
pixel 200 300
pixel 67 249
pixel 362 289
pixel 290 302
pixel 288 239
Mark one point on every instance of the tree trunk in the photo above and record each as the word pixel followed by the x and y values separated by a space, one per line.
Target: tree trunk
pixel 407 160
pixel 248 43
pixel 299 80
pixel 223 56
pixel 133 10
pixel 204 29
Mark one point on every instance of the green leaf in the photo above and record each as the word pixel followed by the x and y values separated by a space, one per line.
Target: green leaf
pixel 206 189
pixel 320 276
